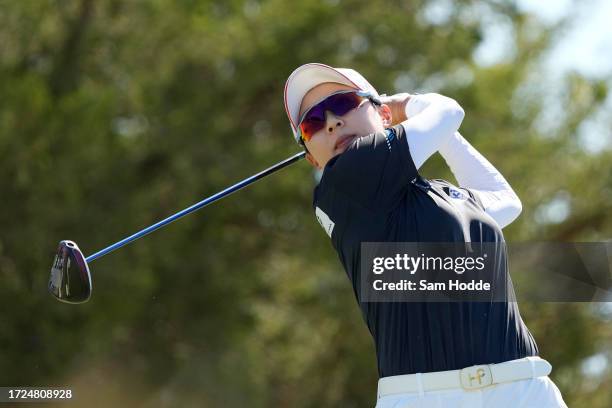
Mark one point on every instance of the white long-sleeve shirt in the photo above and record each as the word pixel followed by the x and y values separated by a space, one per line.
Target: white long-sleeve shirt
pixel 432 124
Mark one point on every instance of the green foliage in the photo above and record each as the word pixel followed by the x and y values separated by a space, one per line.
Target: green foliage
pixel 115 114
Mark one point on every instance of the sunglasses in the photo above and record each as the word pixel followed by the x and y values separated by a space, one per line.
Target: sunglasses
pixel 339 103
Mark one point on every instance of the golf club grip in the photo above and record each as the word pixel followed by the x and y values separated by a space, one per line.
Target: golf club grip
pixel 198 205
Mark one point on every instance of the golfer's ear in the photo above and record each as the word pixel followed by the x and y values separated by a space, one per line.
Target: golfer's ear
pixel 312 160
pixel 385 113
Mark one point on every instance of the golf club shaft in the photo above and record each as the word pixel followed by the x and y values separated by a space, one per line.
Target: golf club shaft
pixel 197 206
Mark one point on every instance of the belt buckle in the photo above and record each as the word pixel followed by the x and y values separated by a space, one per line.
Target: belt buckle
pixel 475 377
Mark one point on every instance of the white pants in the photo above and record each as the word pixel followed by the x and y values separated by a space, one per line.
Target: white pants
pixel 539 392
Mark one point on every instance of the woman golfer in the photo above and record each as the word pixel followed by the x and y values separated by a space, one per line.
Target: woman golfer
pixel 370 147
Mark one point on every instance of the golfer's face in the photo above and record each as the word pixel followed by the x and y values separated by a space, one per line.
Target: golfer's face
pixel 339 131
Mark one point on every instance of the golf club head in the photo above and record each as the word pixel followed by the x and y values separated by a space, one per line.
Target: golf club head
pixel 70 279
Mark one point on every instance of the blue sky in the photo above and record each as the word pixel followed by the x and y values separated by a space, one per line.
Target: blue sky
pixel 584 46
pixel 587 45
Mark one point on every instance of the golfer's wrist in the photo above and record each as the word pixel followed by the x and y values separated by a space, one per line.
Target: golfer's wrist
pixel 403 105
pixel 398 108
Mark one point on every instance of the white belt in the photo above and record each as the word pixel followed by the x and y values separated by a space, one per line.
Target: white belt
pixel 469 378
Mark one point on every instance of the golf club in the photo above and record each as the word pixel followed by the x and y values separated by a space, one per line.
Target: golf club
pixel 74 286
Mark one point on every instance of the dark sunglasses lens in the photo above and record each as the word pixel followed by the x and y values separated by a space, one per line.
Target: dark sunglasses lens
pixel 341 104
pixel 313 122
pixel 310 126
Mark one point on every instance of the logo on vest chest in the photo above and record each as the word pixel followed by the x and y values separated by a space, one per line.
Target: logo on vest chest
pixel 456 194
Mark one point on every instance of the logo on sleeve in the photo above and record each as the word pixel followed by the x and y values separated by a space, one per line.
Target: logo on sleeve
pixel 456 194
pixel 326 222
